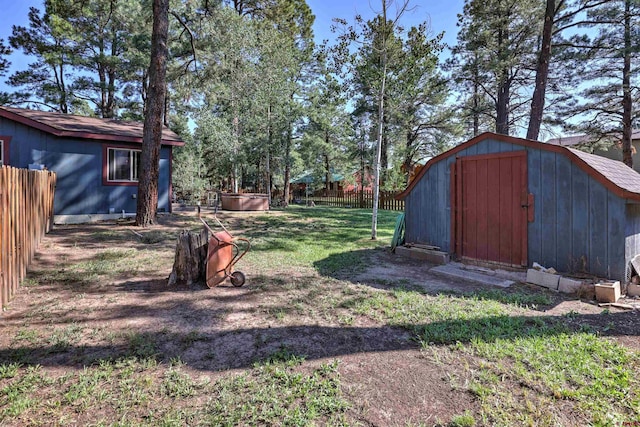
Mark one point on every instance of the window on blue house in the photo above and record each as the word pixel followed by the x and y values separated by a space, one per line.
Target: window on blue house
pixel 123 165
pixel 1 152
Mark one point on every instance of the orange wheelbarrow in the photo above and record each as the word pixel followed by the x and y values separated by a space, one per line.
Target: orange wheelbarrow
pixel 222 255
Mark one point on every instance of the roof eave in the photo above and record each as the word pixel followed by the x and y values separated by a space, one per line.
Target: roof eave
pixel 77 134
pixel 628 195
pixel 449 153
pixel 607 183
pixel 110 137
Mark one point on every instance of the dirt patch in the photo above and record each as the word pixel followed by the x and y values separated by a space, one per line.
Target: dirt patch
pixel 401 388
pixel 99 292
pixel 387 270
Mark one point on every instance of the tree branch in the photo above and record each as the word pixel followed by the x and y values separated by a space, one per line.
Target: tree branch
pixel 194 59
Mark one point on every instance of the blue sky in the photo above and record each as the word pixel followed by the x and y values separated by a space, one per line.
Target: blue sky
pixel 13 12
pixel 442 16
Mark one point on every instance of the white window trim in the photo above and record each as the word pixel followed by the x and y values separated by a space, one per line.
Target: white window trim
pixel 1 152
pixel 132 164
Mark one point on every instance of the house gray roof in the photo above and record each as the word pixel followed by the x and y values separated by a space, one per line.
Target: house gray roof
pixel 567 141
pixel 84 127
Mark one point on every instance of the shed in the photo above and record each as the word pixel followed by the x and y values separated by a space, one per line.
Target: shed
pixel 96 160
pixel 509 201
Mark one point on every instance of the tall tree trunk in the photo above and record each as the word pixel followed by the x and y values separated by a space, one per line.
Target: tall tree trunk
pixel 542 73
pixel 111 99
pixel 362 180
pixel 63 91
pixel 476 95
pixel 287 166
pixel 384 155
pixel 406 163
pixel 327 170
pixel 152 131
pixel 376 173
pixel 627 103
pixel 476 108
pixel 103 89
pixel 268 160
pixel 362 169
pixel 267 167
pixel 243 177
pixel 502 104
pixel 502 107
pixel 236 149
pixel 167 103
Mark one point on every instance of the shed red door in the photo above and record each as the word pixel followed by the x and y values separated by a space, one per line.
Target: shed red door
pixel 491 207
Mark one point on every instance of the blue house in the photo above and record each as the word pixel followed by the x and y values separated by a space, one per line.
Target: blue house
pixel 96 160
pixel 507 201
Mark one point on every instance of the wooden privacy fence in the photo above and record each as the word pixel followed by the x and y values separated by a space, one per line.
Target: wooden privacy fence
pixel 357 199
pixel 26 214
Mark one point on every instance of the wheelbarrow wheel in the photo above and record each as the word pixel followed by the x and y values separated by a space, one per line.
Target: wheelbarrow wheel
pixel 237 278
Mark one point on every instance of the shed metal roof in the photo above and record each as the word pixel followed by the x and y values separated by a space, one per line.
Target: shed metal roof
pixel 615 171
pixel 68 125
pixel 617 177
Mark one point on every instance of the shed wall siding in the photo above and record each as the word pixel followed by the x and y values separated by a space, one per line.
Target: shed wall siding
pixel 578 226
pixel 578 223
pixel 428 207
pixel 78 165
pixel 632 233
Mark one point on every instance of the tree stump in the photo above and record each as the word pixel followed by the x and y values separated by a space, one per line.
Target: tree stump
pixel 190 263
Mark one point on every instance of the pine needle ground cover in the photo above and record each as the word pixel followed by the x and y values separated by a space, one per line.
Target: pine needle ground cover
pixel 330 329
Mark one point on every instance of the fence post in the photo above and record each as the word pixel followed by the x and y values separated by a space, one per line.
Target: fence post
pixel 26 204
pixel 3 233
pixel 357 198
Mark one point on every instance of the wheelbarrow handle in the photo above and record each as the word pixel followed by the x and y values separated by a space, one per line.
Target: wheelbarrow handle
pixel 213 232
pixel 240 255
pixel 242 239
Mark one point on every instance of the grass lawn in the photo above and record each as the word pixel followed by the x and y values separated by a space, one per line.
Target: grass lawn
pixel 95 337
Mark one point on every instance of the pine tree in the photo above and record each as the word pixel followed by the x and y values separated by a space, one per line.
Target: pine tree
pixel 417 100
pixel 152 132
pixel 105 32
pixel 88 57
pixel 4 62
pixel 605 107
pixel 4 66
pixel 250 64
pixel 559 58
pixel 48 81
pixel 496 52
pixel 324 145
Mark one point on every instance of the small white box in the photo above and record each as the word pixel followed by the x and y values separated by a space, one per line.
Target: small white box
pixel 608 292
